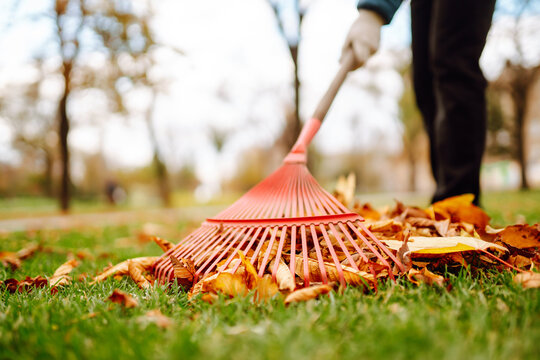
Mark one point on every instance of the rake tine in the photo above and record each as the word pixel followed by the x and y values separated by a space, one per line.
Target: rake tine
pixel 259 246
pixel 305 255
pixel 334 256
pixel 224 252
pixel 319 255
pixel 342 245
pixel 292 262
pixel 373 249
pixel 200 254
pixel 280 249
pixel 383 247
pixel 240 244
pixel 262 266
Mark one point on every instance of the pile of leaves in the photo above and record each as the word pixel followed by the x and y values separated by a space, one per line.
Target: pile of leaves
pixel 445 237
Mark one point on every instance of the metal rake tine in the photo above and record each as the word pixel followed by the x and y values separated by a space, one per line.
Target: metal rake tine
pixel 334 256
pixel 319 254
pixel 236 235
pixel 262 266
pixel 280 249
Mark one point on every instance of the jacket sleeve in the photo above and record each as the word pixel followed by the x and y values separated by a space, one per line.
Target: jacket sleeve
pixel 385 8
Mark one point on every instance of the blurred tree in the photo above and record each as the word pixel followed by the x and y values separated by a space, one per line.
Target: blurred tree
pixel 27 109
pixel 413 126
pixel 517 80
pixel 120 31
pixel 293 123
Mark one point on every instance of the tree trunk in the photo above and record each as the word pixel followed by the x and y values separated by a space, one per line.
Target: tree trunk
pixel 412 165
pixel 47 175
pixel 519 93
pixel 63 131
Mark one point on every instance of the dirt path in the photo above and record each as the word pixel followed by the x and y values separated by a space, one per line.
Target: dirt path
pixel 195 213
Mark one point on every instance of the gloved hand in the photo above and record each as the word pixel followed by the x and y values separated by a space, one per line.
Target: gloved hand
pixel 364 37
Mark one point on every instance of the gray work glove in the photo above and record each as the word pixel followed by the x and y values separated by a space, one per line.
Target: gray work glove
pixel 364 37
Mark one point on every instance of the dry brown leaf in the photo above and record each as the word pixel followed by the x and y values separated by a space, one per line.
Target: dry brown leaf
pixel 367 212
pixel 156 317
pixel 307 293
pixel 350 275
pixel 163 244
pixel 27 251
pixel 196 289
pixel 403 253
pixel 60 276
pixel 136 271
pixel 284 277
pixel 425 276
pixel 123 298
pixel 521 236
pixel 272 252
pixel 184 271
pixel 8 258
pixel 460 209
pixel 122 268
pixel 26 285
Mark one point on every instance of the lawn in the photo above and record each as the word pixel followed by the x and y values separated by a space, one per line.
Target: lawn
pixel 483 316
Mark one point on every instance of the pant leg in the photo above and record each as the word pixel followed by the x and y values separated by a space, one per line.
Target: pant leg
pixel 421 71
pixel 458 35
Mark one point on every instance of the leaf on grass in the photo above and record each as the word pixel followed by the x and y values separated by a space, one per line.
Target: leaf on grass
pixel 528 279
pixel 14 259
pixel 350 275
pixel 26 285
pixel 122 268
pixel 307 293
pixel 136 271
pixel 425 276
pixel 442 245
pixel 27 251
pixel 163 244
pixel 184 271
pixel 60 276
pixel 156 317
pixel 521 236
pixel 209 298
pixel 229 284
pixel 123 298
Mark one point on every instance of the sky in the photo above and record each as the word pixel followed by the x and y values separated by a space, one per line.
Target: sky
pixel 236 78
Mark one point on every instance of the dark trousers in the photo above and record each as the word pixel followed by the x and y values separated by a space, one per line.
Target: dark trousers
pixel 447 39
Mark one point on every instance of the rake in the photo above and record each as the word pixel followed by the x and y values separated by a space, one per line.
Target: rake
pixel 286 217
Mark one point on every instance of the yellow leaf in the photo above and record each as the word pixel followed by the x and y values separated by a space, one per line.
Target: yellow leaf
pixel 442 245
pixel 266 288
pixel 251 273
pixel 461 209
pixel 307 293
pixel 228 284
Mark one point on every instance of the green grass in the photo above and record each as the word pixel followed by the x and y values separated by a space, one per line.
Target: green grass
pixel 482 317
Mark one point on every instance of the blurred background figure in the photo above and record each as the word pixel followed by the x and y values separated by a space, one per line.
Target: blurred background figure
pixel 187 102
pixel 114 192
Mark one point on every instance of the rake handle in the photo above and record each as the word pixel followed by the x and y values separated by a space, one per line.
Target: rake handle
pixel 298 151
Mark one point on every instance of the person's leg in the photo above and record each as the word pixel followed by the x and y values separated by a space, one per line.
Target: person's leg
pixel 459 29
pixel 422 75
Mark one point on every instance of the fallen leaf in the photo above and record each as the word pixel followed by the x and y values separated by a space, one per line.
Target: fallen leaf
pixel 425 276
pixel 350 275
pixel 521 236
pixel 229 284
pixel 528 279
pixel 156 317
pixel 403 253
pixel 284 277
pixel 122 268
pixel 163 244
pixel 136 271
pixel 367 211
pixel 442 245
pixel 123 298
pixel 251 276
pixel 266 288
pixel 184 271
pixel 307 293
pixel 461 209
pixel 60 276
